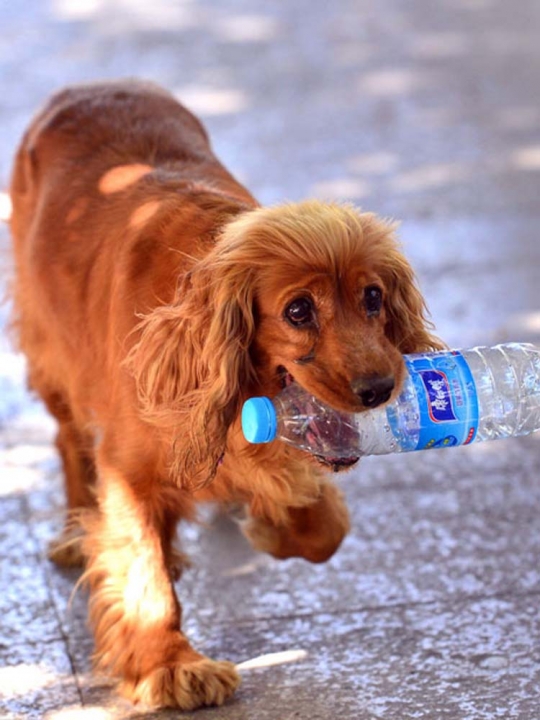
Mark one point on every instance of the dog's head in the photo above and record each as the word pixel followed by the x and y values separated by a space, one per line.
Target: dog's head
pixel 315 293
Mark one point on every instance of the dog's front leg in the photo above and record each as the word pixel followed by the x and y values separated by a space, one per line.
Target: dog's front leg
pixel 134 611
pixel 313 532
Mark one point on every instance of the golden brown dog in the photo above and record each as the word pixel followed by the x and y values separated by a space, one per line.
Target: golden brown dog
pixel 153 295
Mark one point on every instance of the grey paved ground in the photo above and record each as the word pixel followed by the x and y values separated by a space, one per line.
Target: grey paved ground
pixel 426 111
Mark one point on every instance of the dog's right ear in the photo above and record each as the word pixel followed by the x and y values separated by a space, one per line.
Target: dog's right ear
pixel 190 364
pixel 408 327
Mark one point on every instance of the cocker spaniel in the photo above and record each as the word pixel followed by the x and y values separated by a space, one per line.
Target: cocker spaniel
pixel 152 296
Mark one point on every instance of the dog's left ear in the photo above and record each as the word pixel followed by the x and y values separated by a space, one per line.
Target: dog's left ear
pixel 408 326
pixel 192 364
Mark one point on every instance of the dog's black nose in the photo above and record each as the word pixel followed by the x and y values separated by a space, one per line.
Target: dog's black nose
pixel 373 390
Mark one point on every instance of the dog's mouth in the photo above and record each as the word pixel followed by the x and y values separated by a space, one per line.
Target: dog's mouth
pixel 318 436
pixel 285 377
pixel 337 464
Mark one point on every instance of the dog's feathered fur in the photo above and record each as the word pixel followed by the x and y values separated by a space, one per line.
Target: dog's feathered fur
pixel 152 296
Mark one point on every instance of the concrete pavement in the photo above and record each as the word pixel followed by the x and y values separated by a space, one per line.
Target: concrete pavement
pixel 427 112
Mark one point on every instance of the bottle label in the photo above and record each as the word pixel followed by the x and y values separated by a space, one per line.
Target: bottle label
pixel 447 399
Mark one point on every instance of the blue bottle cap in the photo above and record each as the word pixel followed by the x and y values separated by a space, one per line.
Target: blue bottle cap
pixel 259 421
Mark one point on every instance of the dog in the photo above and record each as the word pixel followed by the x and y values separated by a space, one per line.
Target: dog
pixel 152 296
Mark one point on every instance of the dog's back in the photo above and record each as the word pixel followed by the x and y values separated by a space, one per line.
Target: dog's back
pixel 84 130
pixel 97 140
pixel 99 171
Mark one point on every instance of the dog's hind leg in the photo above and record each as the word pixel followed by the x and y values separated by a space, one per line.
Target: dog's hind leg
pixel 76 452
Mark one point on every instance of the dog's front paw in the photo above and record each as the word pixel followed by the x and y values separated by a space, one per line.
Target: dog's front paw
pixel 314 532
pixel 186 686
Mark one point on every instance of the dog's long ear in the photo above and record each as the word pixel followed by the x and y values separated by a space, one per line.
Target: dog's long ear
pixel 191 362
pixel 408 326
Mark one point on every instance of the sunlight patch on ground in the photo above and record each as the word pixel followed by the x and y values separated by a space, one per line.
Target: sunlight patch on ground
pixel 13 367
pixel 212 101
pixel 440 45
pixel 429 176
pixel 247 28
pixel 391 82
pixel 26 455
pixel 81 713
pixel 17 680
pixel 80 10
pixel 122 15
pixel 5 207
pixel 519 117
pixel 18 480
pixel 522 327
pixel 373 163
pixel 527 158
pixel 341 188
pixel 529 321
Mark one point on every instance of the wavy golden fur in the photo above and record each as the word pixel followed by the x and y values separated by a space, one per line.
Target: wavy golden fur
pixel 152 296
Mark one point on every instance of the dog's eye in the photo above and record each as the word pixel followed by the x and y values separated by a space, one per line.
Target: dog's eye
pixel 300 312
pixel 373 300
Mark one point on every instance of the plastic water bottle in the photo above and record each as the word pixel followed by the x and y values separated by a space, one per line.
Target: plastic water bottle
pixel 448 398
